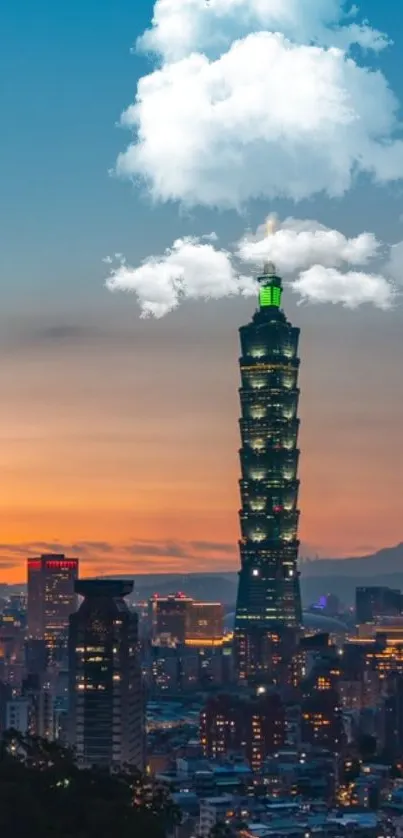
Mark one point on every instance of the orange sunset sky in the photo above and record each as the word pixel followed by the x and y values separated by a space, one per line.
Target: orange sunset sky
pixel 119 437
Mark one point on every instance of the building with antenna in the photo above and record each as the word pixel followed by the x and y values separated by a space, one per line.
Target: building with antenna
pixel 268 612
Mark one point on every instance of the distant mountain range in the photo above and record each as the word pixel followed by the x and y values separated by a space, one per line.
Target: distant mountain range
pixel 343 576
pixel 320 576
pixel 339 576
pixel 389 560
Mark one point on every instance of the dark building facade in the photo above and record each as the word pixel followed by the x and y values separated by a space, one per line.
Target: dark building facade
pixel 392 721
pixel 181 619
pixel 180 669
pixel 321 711
pixel 168 616
pixel 51 600
pixel 106 723
pixel 251 725
pixel 205 623
pixel 373 602
pixel 268 612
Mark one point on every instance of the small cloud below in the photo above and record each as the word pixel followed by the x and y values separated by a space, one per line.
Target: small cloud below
pixel 63 333
pixel 41 332
pixel 320 265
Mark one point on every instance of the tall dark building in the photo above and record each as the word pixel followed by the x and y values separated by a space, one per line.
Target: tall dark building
pixel 268 612
pixel 51 599
pixel 105 689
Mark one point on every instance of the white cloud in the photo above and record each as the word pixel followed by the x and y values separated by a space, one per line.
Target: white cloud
pixel 190 269
pixel 180 27
pixel 268 115
pixel 353 288
pixel 297 245
pixel 194 269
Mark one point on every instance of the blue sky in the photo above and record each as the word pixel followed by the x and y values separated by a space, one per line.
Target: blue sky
pixel 67 74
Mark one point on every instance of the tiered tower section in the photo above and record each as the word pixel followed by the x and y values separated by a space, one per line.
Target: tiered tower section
pixel 268 612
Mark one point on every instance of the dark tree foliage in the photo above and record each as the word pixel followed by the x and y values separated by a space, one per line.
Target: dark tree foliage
pixel 44 795
pixel 220 830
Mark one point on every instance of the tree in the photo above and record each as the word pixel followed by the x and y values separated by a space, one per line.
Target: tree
pixel 44 794
pixel 220 830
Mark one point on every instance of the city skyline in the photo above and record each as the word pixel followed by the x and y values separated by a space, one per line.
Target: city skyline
pixel 119 437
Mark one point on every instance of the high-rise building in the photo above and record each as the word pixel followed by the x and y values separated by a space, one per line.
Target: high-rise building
pixel 51 599
pixel 205 623
pixel 105 689
pixel 180 619
pixel 35 656
pixel 268 612
pixel 168 616
pixel 373 602
pixel 18 715
pixel 173 669
pixel 249 725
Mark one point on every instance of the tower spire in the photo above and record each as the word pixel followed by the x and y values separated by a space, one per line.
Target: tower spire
pixel 270 284
pixel 269 268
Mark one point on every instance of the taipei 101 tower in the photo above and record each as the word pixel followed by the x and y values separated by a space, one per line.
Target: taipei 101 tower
pixel 268 612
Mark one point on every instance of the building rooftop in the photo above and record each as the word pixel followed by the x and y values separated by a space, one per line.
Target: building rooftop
pixel 114 588
pixel 222 800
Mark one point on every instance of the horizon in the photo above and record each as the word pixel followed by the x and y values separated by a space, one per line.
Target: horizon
pixel 222 572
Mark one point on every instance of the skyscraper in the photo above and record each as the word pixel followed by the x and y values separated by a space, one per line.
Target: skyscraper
pixel 180 619
pixel 168 616
pixel 105 690
pixel 51 598
pixel 205 623
pixel 268 612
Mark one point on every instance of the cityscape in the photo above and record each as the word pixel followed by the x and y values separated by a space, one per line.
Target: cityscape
pixel 201 568
pixel 267 721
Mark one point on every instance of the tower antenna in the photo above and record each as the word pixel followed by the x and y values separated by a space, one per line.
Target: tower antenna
pixel 271 225
pixel 269 269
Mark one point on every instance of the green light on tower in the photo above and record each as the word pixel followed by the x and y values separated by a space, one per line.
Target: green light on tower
pixel 270 296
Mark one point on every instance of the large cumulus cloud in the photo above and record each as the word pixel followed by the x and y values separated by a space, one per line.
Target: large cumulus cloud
pixel 259 98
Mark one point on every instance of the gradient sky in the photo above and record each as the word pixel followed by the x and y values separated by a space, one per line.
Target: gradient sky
pixel 119 437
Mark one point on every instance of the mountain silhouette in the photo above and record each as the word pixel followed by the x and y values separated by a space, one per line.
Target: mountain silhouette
pixel 387 561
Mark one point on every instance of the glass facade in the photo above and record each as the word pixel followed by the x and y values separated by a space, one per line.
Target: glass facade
pixel 106 718
pixel 51 600
pixel 268 610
